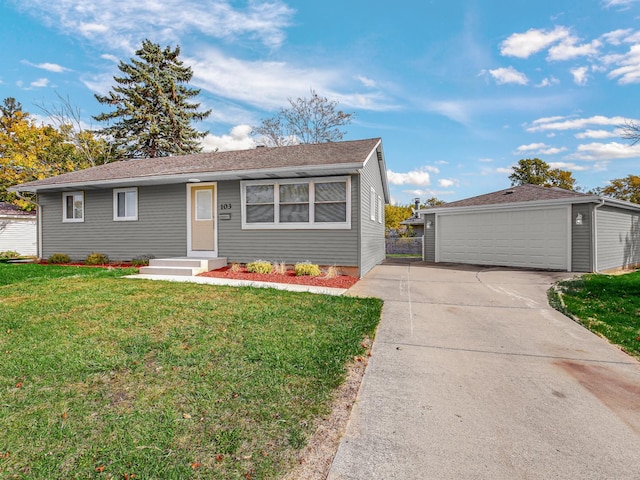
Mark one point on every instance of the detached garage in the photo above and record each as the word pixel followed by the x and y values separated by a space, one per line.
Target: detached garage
pixel 17 230
pixel 535 227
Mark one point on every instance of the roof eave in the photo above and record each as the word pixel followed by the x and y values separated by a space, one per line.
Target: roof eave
pixel 300 171
pixel 496 206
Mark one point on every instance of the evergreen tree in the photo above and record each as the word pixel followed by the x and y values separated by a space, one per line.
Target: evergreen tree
pixel 153 115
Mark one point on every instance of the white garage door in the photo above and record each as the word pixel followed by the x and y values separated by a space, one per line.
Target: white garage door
pixel 534 238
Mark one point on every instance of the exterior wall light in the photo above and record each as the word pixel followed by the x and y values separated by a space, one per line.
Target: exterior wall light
pixel 579 219
pixel 429 224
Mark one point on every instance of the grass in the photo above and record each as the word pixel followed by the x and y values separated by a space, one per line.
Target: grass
pixel 36 274
pixel 608 305
pixel 110 378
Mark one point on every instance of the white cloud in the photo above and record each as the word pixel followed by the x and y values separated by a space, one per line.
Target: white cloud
pixel 567 49
pixel 485 160
pixel 538 149
pixel 420 177
pixel 367 82
pixel 40 83
pixel 580 75
pixel 628 70
pixel 238 139
pixel 448 182
pixel 624 4
pixel 523 45
pixel 50 67
pixel 559 123
pixel 508 75
pixel 616 37
pixel 504 170
pixel 268 84
pixel 599 133
pixel 122 24
pixel 547 82
pixel 569 166
pixel 605 151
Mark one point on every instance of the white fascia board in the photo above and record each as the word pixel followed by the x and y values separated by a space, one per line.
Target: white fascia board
pixel 510 206
pixel 332 169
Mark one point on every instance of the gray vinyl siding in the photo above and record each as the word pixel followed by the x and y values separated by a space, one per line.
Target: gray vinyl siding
pixel 429 244
pixel 372 245
pixel 582 238
pixel 161 228
pixel 324 247
pixel 618 238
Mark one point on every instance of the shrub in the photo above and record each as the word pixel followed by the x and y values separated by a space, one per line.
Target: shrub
pixel 96 258
pixel 306 268
pixel 235 267
pixel 9 254
pixel 59 258
pixel 280 268
pixel 332 272
pixel 141 260
pixel 259 266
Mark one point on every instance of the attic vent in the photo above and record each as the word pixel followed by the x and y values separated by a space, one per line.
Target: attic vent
pixel 508 192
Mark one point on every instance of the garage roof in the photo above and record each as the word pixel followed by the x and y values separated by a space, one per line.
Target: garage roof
pixel 528 195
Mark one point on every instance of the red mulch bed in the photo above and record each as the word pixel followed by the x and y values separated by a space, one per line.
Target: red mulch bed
pixel 341 281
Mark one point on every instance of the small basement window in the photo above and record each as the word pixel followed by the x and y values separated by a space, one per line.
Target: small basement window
pixel 73 207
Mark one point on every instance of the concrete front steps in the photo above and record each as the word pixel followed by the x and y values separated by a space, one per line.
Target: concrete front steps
pixel 184 267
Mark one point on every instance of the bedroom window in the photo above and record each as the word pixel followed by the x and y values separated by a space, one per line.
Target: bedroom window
pixel 299 204
pixel 73 207
pixel 125 204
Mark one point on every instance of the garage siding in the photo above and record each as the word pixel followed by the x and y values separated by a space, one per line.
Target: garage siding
pixel 617 238
pixel 582 238
pixel 533 238
pixel 429 243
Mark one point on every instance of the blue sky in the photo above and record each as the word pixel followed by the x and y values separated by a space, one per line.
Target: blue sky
pixel 459 91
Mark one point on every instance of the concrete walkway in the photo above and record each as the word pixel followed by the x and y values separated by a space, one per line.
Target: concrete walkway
pixel 474 376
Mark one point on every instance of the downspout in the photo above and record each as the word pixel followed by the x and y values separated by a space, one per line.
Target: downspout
pixel 38 217
pixel 595 236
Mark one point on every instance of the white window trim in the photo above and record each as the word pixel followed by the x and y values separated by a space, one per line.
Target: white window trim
pixel 372 205
pixel 311 225
pixel 64 207
pixel 379 209
pixel 116 218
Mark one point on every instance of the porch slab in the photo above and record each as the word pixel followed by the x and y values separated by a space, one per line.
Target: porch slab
pixel 182 266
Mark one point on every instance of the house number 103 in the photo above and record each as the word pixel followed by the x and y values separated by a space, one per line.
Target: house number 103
pixel 225 206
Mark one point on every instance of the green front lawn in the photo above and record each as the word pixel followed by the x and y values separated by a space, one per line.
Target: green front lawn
pixel 113 378
pixel 606 304
pixel 35 273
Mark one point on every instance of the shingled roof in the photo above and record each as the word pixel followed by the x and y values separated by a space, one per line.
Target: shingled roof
pixel 265 162
pixel 521 193
pixel 8 209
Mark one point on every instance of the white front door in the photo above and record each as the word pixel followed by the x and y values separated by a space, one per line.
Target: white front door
pixel 202 232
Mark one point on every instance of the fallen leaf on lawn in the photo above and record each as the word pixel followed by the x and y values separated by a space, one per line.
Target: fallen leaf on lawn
pixel 19 385
pixel 219 457
pixel 186 415
pixel 64 415
pixel 99 469
pixel 247 457
pixel 195 465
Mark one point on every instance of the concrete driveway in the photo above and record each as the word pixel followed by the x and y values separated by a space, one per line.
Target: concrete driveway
pixel 473 375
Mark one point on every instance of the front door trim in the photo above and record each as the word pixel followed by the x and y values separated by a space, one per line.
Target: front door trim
pixel 214 210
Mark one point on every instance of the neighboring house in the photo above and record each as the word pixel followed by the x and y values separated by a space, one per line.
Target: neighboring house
pixel 416 223
pixel 17 230
pixel 323 203
pixel 535 227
